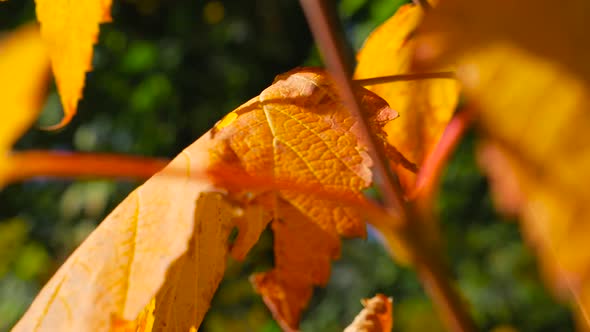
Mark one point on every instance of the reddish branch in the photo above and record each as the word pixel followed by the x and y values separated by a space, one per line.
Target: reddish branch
pixel 434 163
pixel 29 164
pixel 429 264
pixel 332 46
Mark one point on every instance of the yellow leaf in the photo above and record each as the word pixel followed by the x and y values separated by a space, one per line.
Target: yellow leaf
pixel 70 30
pixel 530 86
pixel 183 300
pixel 115 273
pixel 192 280
pixel 552 31
pixel 25 67
pixel 144 322
pixel 425 107
pixel 169 238
pixel 377 316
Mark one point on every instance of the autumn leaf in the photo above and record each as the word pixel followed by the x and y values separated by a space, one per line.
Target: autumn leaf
pixel 425 106
pixel 377 316
pixel 183 300
pixel 115 273
pixel 299 129
pixel 303 252
pixel 70 30
pixel 530 87
pixel 168 240
pixel 293 129
pixel 193 278
pixel 25 71
pixel 25 65
pixel 542 27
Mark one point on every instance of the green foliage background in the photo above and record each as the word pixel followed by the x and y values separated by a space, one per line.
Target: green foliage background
pixel 165 72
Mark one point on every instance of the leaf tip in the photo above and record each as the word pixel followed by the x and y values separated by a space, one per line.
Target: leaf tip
pixel 61 124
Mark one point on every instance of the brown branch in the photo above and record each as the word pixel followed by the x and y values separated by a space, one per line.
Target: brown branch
pixel 30 164
pixel 428 264
pixel 424 4
pixel 405 77
pixel 446 298
pixel 331 44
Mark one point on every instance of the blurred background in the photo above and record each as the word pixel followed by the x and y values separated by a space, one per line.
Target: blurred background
pixel 164 72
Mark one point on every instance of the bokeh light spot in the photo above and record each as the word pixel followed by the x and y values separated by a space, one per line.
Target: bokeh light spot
pixel 213 12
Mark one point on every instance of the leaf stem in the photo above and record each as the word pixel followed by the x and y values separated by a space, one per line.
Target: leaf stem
pixel 404 77
pixel 36 163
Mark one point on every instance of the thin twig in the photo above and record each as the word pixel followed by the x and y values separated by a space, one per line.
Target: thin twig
pixel 405 77
pixel 331 44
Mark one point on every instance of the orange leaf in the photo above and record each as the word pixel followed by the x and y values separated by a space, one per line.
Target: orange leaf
pixel 70 30
pixel 25 67
pixel 530 86
pixel 425 106
pixel 302 259
pixel 377 316
pixel 298 129
pixel 169 238
pixel 251 225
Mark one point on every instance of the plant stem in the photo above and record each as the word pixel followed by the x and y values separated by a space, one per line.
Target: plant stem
pixel 29 164
pixel 399 223
pixel 405 77
pixel 428 263
pixel 450 306
pixel 424 4
pixel 331 44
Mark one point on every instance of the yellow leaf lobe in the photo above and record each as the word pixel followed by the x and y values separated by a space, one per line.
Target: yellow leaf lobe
pixel 70 30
